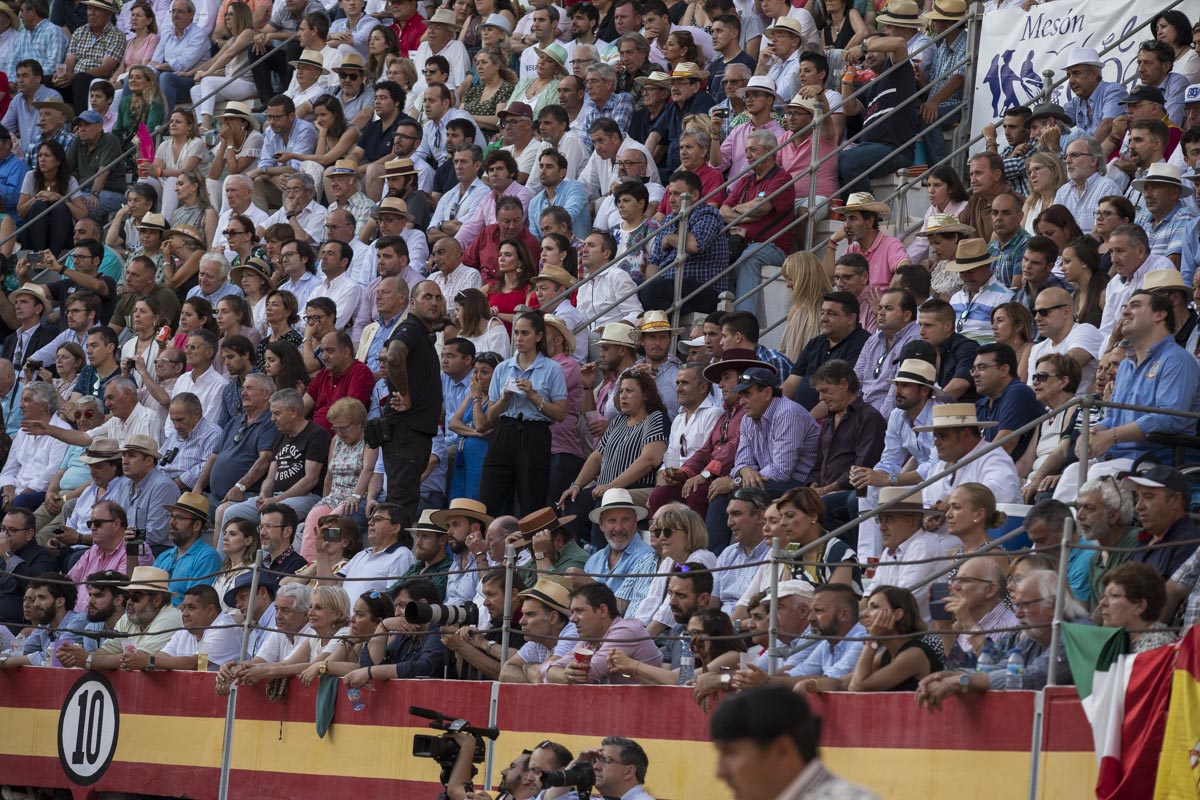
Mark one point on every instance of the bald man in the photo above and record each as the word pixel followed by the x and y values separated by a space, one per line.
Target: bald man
pixel 1054 315
pixel 449 273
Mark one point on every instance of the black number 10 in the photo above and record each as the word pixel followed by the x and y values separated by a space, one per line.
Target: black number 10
pixel 91 715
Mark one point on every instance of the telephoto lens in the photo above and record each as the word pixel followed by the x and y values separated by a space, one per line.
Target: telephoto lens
pixel 437 614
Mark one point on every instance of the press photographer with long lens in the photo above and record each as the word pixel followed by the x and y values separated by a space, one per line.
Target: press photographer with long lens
pixel 457 751
pixel 411 649
pixel 478 652
pixel 515 779
pixel 617 769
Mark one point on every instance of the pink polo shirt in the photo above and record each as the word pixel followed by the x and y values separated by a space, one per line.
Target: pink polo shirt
pixel 884 255
pixel 96 560
pixel 796 158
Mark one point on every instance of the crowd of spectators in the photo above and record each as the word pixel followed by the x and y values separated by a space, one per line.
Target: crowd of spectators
pixel 380 289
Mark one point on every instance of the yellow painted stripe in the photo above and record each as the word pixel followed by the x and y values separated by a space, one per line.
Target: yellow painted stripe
pixel 677 769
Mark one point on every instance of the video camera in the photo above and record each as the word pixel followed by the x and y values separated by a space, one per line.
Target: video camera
pixel 438 614
pixel 581 775
pixel 444 749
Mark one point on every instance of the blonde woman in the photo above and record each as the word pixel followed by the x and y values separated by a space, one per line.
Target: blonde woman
pixel 808 283
pixel 328 615
pixel 226 76
pixel 541 89
pixel 683 539
pixel 239 543
pixel 1046 174
pixel 181 151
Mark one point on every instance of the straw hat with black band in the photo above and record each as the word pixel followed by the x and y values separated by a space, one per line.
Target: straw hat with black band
pixel 462 507
pixel 971 254
pixel 918 371
pixel 236 109
pixel 551 594
pixel 191 503
pixel 253 264
pixel 954 415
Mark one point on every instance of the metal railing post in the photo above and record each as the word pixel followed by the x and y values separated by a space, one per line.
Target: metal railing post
pixel 1085 437
pixel 773 620
pixel 680 258
pixel 1060 594
pixel 974 26
pixel 814 136
pixel 231 703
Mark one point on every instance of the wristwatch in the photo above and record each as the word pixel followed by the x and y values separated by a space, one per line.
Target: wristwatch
pixel 706 474
pixel 737 481
pixel 151 667
pixel 726 678
pixel 892 479
pixel 240 487
pixel 964 683
pixel 4 659
pixel 87 662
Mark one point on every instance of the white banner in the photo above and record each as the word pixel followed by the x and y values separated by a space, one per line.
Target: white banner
pixel 1015 46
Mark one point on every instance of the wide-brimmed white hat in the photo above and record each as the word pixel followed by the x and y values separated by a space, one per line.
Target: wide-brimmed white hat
pixel 1083 57
pixel 1164 173
pixel 617 498
pixel 761 83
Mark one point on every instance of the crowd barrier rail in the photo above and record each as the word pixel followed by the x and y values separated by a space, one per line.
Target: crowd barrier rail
pixel 165 737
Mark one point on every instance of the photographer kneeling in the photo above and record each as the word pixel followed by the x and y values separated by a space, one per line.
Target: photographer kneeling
pixel 617 769
pixel 517 782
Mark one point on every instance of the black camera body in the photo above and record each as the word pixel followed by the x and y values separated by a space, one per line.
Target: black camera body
pixel 438 614
pixel 34 366
pixel 581 775
pixel 444 749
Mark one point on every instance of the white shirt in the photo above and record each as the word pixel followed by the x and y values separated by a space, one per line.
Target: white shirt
pixel 457 205
pixel 461 277
pixel 655 606
pixel 689 430
pixel 224 640
pixel 331 57
pixel 599 174
pixel 277 646
pixel 1118 292
pixel 575 150
pixel 345 293
pixel 527 162
pixel 1082 336
pixel 994 470
pixel 382 567
pixel 140 421
pixel 256 215
pixel 311 218
pixel 460 64
pixel 595 297
pixel 921 545
pixel 206 15
pixel 33 460
pixel 208 388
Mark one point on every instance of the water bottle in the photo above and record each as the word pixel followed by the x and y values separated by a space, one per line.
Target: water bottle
pixel 987 660
pixel 18 645
pixel 1015 669
pixel 687 667
pixel 356 699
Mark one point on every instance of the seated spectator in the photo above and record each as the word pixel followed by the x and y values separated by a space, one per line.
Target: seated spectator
pixel 387 554
pixel 1170 284
pixel 943 232
pixel 239 544
pixel 105 607
pixel 889 119
pixel 1062 333
pixel 1086 181
pixel 191 561
pixel 900 529
pixel 283 608
pixel 841 337
pixel 977 605
pixel 300 209
pixel 366 615
pixel 55 623
pixel 625 552
pixel 478 650
pixel 681 539
pixel 547 628
pixel 204 622
pixel 149 623
pixel 1133 598
pixel 297 465
pixel 687 97
pixel 352 463
pixel 852 435
pixel 241 459
pixel 285 134
pixel 33 457
pixel 343 376
pixel 239 194
pixel 103 190
pixel 550 543
pixel 105 543
pixel 1004 399
pixel 406 650
pixel 1121 437
pixel 1033 599
pixel 981 292
pixel 1012 324
pixel 1054 383
pixel 329 611
pixel 48 181
pixel 897 664
pixel 597 618
pixel 1162 498
pixel 23 558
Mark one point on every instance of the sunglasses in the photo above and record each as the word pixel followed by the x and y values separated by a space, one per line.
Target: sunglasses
pixel 88 414
pixel 96 523
pixel 1042 377
pixel 1045 312
pixel 661 532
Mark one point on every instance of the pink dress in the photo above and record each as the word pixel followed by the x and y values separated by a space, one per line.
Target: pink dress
pixel 139 54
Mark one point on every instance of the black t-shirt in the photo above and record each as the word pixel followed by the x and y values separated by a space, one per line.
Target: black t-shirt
pixel 62 290
pixel 424 378
pixel 716 77
pixel 891 108
pixel 816 352
pixel 376 140
pixel 311 444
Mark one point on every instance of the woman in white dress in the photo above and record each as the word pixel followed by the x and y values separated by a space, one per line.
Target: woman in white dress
pixel 182 151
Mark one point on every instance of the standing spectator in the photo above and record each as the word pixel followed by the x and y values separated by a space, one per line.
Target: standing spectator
pixel 852 434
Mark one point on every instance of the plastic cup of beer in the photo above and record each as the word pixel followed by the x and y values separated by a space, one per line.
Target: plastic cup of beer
pixel 746 660
pixel 202 657
pixel 583 655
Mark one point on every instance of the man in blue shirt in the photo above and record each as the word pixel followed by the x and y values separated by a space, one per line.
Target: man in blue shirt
pixel 12 173
pixel 1094 103
pixel 1003 398
pixel 285 134
pixel 54 618
pixel 626 553
pixel 22 116
pixel 557 190
pixel 181 48
pixel 191 561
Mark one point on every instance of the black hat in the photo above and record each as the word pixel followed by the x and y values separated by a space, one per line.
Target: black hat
pixel 243 581
pixel 1161 476
pixel 917 348
pixel 1151 93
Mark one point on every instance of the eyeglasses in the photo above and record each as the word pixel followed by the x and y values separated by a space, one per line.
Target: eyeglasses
pixel 88 414
pixel 961 581
pixel 1042 377
pixel 1025 606
pixel 96 523
pixel 661 532
pixel 314 317
pixel 978 368
pixel 1045 312
pixel 607 760
pixel 237 437
pixel 230 232
pixel 13 530
pixel 266 526
pixel 429 71
pixel 1112 596
pixel 181 517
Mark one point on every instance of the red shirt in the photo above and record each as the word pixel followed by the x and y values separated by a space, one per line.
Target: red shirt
pixel 485 250
pixel 748 187
pixel 325 390
pixel 410 34
pixel 710 178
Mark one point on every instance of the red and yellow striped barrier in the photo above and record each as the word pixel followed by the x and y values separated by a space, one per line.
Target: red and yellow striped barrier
pixel 165 737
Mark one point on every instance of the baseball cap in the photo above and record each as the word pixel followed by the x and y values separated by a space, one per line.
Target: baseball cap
pixel 90 117
pixel 1162 477
pixel 757 376
pixel 917 348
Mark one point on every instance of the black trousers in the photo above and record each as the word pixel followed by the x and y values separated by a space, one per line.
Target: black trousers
pixel 518 457
pixel 76 92
pixel 276 64
pixel 405 457
pixel 658 294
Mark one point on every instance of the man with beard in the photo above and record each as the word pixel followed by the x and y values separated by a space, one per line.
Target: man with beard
pixel 515 779
pixel 1104 515
pixel 480 650
pixel 105 607
pixel 547 628
pixel 191 560
pixel 600 624
pixel 463 518
pixel 55 621
pixel 433 562
pixel 689 589
pixel 205 623
pixel 149 622
pixel 625 552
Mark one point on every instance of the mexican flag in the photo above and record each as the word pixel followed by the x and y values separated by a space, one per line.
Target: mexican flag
pixel 1125 697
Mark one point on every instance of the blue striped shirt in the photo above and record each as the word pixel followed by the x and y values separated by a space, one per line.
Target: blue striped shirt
pixel 45 43
pixel 1083 207
pixel 782 445
pixel 973 315
pixel 1167 237
pixel 731 584
pixel 637 558
pixel 1103 104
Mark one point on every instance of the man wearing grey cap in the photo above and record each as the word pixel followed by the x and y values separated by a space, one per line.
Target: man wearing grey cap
pixel 103 190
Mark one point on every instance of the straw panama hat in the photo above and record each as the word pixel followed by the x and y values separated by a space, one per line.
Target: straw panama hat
pixel 918 371
pixel 1164 173
pixel 946 223
pixel 910 505
pixel 787 25
pixel 865 201
pixel 901 14
pixel 462 507
pixel 310 58
pixel 236 109
pixel 551 594
pixel 1165 280
pixel 954 415
pixel 444 16
pixel 971 253
pixel 657 322
pixel 101 450
pixel 619 333
pixel 689 71
pixel 947 10
pixel 191 503
pixel 149 579
pixel 560 325
pixel 614 499
pixel 560 276
pixel 426 523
